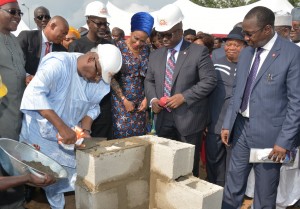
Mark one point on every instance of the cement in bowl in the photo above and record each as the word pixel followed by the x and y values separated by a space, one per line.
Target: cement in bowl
pixel 14 153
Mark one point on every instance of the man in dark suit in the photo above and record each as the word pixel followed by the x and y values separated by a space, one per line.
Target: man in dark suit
pixel 37 43
pixel 41 17
pixel 184 116
pixel 264 111
pixel 225 67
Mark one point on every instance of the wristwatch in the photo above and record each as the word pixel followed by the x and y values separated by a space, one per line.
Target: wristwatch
pixel 89 131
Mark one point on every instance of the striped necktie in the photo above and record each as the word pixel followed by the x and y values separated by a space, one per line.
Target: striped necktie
pixel 48 47
pixel 170 67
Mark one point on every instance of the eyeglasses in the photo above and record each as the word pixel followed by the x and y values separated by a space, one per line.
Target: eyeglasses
pixel 99 24
pixel 166 35
pixel 41 17
pixel 295 27
pixel 13 12
pixel 98 76
pixel 245 33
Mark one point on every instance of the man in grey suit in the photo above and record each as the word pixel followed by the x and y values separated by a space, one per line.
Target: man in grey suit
pixel 184 115
pixel 264 111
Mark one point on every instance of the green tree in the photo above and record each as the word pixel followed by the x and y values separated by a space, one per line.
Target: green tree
pixel 295 3
pixel 232 3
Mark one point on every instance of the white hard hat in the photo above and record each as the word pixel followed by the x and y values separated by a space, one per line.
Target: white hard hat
pixel 167 17
pixel 97 9
pixel 110 59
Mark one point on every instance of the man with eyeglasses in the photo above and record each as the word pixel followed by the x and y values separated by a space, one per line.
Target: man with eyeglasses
pixel 264 111
pixel 13 75
pixel 295 32
pixel 288 174
pixel 65 93
pixel 41 17
pixel 96 18
pixel 38 43
pixel 183 73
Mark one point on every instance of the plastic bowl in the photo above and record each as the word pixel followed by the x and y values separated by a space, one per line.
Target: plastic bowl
pixel 13 153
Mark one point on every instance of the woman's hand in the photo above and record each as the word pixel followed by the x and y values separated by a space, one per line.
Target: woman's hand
pixel 129 106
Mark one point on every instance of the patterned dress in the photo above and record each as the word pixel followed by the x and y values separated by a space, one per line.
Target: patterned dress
pixel 131 80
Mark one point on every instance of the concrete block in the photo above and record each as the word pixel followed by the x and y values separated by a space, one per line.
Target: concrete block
pixel 96 200
pixel 172 159
pixel 112 162
pixel 137 194
pixel 153 139
pixel 191 193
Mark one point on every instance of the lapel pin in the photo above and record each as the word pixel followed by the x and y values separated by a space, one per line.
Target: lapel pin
pixel 184 52
pixel 273 55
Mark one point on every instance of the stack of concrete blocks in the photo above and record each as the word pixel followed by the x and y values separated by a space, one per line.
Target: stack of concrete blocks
pixel 113 175
pixel 172 185
pixel 140 173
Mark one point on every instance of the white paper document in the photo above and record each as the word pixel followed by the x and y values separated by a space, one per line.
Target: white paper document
pixel 261 156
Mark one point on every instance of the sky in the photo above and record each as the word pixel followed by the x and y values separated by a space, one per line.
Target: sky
pixel 73 10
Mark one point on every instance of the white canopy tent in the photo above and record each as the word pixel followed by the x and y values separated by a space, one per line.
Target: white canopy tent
pixel 208 20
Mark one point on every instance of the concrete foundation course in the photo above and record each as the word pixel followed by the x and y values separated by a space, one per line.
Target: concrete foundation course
pixel 140 173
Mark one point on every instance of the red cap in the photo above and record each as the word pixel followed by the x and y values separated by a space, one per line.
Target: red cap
pixel 2 2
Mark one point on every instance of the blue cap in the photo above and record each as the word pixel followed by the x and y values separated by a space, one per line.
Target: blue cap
pixel 142 21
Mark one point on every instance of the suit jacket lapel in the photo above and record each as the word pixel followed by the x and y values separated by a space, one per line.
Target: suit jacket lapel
pixel 39 45
pixel 183 53
pixel 273 54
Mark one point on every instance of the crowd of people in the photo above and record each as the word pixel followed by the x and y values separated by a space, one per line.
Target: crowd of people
pixel 240 92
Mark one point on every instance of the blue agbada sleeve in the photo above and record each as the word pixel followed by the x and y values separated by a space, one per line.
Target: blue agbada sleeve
pixel 47 86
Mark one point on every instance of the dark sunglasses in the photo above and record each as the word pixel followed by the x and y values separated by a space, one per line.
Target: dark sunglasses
pixel 99 24
pixel 13 12
pixel 166 35
pixel 41 17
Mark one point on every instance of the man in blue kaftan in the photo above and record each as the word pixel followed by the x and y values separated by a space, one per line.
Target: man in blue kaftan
pixel 65 92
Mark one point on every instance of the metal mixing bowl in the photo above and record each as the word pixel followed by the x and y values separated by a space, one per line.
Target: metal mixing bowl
pixel 12 153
